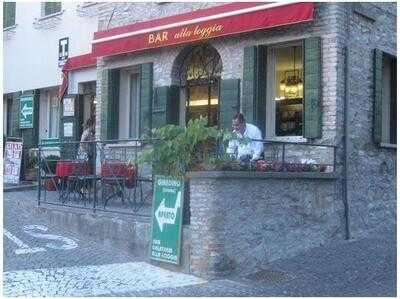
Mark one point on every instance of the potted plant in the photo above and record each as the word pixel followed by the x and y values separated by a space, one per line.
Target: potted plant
pixel 31 169
pixel 176 150
pixel 49 168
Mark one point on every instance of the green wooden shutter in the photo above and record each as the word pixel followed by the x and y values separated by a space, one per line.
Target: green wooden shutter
pixel 229 93
pixel 254 85
pixel 109 104
pixel 261 99
pixel 113 104
pixel 165 107
pixel 159 107
pixel 173 105
pixel 312 112
pixel 249 83
pixel 8 14
pixel 146 98
pixel 378 68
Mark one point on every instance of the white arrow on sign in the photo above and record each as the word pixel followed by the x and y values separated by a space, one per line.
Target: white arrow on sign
pixel 26 110
pixel 165 215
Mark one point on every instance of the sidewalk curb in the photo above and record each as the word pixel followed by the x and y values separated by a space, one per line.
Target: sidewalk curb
pixel 20 188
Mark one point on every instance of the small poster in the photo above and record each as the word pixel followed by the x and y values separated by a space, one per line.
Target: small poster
pixel 68 129
pixel 68 105
pixel 12 161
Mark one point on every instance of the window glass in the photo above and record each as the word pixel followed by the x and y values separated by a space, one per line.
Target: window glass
pixel 51 8
pixel 288 91
pixel 8 14
pixel 200 73
pixel 389 99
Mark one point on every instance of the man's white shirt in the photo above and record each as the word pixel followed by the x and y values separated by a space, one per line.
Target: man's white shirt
pixel 253 148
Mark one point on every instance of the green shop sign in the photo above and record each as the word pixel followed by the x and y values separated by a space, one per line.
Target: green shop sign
pixel 166 220
pixel 50 142
pixel 26 112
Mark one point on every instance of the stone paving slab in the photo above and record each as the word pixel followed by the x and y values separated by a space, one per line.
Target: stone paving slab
pixel 362 267
pixel 98 280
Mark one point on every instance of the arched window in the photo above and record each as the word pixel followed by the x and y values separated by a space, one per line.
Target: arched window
pixel 200 73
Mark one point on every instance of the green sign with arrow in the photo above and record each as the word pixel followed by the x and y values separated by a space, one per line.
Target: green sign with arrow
pixel 166 221
pixel 26 112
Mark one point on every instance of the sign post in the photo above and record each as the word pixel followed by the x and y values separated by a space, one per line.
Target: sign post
pixel 26 112
pixel 12 161
pixel 166 224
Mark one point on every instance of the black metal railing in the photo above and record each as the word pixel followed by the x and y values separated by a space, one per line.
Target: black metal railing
pixel 106 176
pixel 96 175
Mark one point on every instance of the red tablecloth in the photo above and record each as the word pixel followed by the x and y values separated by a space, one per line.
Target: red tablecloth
pixel 113 169
pixel 66 168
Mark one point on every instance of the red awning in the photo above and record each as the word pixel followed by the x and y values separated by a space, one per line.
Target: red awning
pixel 202 24
pixel 74 63
pixel 79 62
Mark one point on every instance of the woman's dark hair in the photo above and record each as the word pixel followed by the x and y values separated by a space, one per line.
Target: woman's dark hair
pixel 89 123
pixel 240 117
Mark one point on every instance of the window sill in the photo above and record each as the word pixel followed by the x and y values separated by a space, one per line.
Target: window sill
pixel 10 27
pixel 389 145
pixel 84 5
pixel 297 139
pixel 50 16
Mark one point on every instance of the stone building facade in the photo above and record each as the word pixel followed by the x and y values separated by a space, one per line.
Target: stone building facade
pixel 347 31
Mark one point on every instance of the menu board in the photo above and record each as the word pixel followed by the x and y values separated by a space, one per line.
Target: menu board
pixel 12 161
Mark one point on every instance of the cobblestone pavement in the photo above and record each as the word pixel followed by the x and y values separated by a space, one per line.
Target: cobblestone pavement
pixel 44 260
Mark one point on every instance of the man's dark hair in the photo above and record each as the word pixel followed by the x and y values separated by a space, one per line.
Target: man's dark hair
pixel 240 117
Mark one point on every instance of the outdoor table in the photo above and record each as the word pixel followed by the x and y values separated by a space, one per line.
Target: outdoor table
pixel 66 169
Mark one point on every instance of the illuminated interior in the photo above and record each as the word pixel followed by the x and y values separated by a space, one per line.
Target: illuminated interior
pixel 289 91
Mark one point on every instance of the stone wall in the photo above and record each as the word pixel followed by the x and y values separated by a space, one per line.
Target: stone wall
pixel 240 222
pixel 372 168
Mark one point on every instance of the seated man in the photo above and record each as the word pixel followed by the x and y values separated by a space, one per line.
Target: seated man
pixel 241 150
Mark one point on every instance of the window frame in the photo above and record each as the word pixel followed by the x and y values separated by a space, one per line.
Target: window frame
pixel 270 117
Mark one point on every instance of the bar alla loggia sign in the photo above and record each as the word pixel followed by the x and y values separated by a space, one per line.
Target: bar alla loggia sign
pixel 167 219
pixel 187 33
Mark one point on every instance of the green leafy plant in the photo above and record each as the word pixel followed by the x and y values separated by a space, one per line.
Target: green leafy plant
pixel 50 163
pixel 32 162
pixel 176 150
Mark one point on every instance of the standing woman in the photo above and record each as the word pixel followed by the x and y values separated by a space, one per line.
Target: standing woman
pixel 85 151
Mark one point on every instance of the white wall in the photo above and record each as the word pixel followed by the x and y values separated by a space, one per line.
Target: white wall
pixel 31 54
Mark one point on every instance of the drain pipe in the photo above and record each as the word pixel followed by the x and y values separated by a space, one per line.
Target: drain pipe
pixel 346 139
